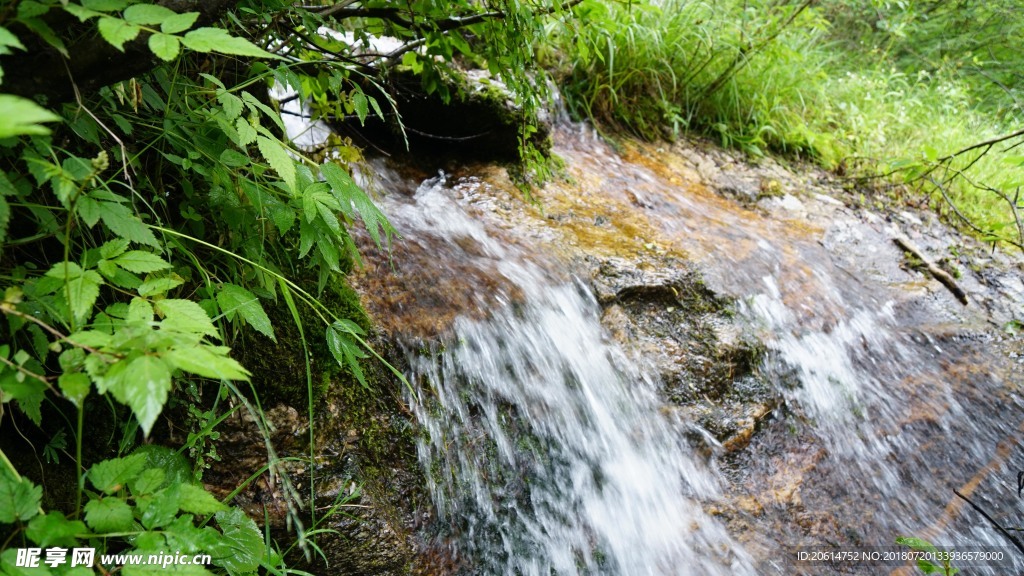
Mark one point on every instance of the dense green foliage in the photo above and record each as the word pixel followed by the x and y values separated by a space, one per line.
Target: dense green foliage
pixel 864 86
pixel 146 224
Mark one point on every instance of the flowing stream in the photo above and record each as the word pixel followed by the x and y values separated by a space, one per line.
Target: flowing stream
pixel 547 445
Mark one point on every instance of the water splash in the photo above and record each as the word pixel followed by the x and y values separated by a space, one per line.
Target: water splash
pixel 545 448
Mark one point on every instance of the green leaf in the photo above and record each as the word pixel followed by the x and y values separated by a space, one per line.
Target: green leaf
pixel 165 46
pixel 917 544
pixel 109 515
pixel 185 316
pixel 361 106
pixel 346 352
pixel 242 546
pixel 198 501
pixel 75 386
pixel 200 360
pixel 19 116
pixel 65 270
pixel 19 498
pixel 160 285
pixel 139 310
pixel 88 210
pixel 111 475
pixel 105 5
pixel 352 199
pixel 233 158
pixel 159 509
pixel 232 104
pixel 218 40
pixel 125 224
pixel 9 40
pixel 43 30
pixel 237 300
pixel 254 105
pixel 9 567
pixel 179 22
pixel 54 529
pixel 246 133
pixel 148 482
pixel 81 12
pixel 147 14
pixel 82 293
pixel 113 248
pixel 144 389
pixel 279 160
pixel 117 31
pixel 141 262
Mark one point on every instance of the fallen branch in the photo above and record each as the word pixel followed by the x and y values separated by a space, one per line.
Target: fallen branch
pixel 938 273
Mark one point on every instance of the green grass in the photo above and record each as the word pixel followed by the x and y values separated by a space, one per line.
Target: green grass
pixel 766 77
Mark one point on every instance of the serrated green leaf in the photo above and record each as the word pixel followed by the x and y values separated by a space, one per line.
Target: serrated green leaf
pixel 241 548
pixel 141 262
pixel 218 40
pixel 82 292
pixel 185 316
pixel 198 501
pixel 111 475
pixel 148 482
pixel 179 22
pixel 183 535
pixel 246 133
pixel 237 300
pixel 75 386
pixel 165 46
pixel 160 285
pixel 233 158
pixel 254 105
pixel 278 159
pixel 117 276
pixel 9 40
pixel 139 310
pixel 231 104
pixel 122 222
pixel 144 390
pixel 65 270
pixel 160 508
pixel 147 14
pixel 9 567
pixel 88 210
pixel 19 498
pixel 353 200
pixel 200 360
pixel 108 515
pixel 361 106
pixel 113 248
pixel 20 116
pixel 81 12
pixel 105 5
pixel 54 529
pixel 117 31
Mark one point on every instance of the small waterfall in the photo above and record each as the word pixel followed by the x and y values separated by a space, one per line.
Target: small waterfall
pixel 545 449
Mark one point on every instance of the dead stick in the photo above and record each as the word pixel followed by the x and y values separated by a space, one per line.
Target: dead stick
pixel 1002 530
pixel 939 274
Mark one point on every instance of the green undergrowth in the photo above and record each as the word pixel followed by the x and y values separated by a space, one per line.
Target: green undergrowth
pixel 802 80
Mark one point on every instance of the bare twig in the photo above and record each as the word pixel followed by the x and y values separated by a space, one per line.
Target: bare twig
pixel 1016 542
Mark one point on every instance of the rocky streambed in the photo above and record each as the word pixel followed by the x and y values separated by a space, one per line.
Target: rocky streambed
pixel 819 386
